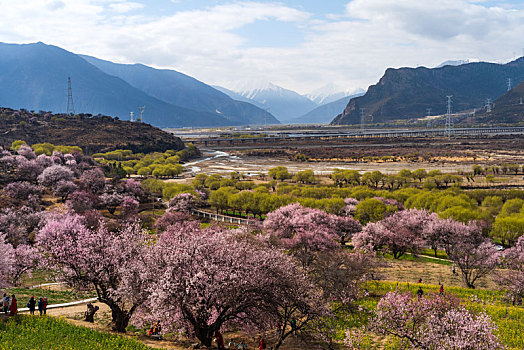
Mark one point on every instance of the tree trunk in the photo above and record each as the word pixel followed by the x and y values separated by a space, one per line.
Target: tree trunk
pixel 205 335
pixel 120 320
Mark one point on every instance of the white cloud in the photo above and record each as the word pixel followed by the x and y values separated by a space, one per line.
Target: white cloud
pixel 351 49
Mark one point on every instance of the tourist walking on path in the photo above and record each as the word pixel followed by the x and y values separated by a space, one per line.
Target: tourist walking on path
pixel 13 307
pixel 5 303
pixel 31 305
pixel 441 291
pixel 45 305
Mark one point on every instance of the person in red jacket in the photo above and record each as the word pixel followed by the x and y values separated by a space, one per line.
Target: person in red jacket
pixel 261 343
pixel 220 340
pixel 13 308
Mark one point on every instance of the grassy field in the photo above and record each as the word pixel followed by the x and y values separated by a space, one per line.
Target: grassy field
pixel 30 332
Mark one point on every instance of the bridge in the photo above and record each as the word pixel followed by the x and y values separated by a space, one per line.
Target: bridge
pixel 222 218
pixel 377 133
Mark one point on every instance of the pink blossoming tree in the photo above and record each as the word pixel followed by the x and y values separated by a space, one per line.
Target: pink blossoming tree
pixel 97 258
pixel 207 279
pixel 398 233
pixel 432 322
pixel 513 279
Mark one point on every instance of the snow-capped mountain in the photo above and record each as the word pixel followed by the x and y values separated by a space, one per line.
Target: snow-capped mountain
pixel 282 103
pixel 330 93
pixel 458 62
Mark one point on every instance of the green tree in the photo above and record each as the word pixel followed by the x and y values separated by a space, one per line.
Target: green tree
pixel 306 177
pixel 279 173
pixel 511 207
pixel 508 229
pixel 370 210
pixel 420 174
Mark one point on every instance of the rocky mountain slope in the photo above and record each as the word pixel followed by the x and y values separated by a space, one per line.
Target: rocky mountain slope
pixel 406 93
pixel 507 109
pixel 92 133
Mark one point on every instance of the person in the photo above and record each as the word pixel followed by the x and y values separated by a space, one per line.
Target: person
pixel 231 344
pixel 31 305
pixel 420 280
pixel 13 307
pixel 5 303
pixel 45 305
pixel 420 292
pixel 220 340
pixel 242 345
pixel 261 343
pixel 155 329
pixel 293 323
pixel 453 270
pixel 441 291
pixel 40 305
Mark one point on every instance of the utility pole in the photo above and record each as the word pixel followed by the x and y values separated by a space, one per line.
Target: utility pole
pixel 488 105
pixel 449 123
pixel 142 110
pixel 362 119
pixel 70 104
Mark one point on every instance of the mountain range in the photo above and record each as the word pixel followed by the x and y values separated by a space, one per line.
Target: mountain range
pixel 319 106
pixel 325 113
pixel 34 77
pixel 407 93
pixel 283 103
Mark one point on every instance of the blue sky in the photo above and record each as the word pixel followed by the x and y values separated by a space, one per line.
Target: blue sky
pixel 298 44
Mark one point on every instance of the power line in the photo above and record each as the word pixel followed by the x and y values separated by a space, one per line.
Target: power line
pixel 362 119
pixel 428 114
pixel 70 104
pixel 449 123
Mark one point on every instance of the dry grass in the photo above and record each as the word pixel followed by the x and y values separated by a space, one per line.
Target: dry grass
pixel 411 271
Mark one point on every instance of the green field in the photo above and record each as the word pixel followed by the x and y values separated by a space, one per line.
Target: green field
pixel 30 332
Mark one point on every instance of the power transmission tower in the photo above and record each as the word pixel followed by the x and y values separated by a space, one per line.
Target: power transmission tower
pixel 132 116
pixel 428 114
pixel 509 84
pixel 70 104
pixel 142 110
pixel 362 119
pixel 488 105
pixel 449 122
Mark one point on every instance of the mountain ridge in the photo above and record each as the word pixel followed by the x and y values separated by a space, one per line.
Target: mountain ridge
pixel 406 93
pixel 182 90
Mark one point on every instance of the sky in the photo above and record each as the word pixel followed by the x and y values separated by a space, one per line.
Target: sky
pixel 300 45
